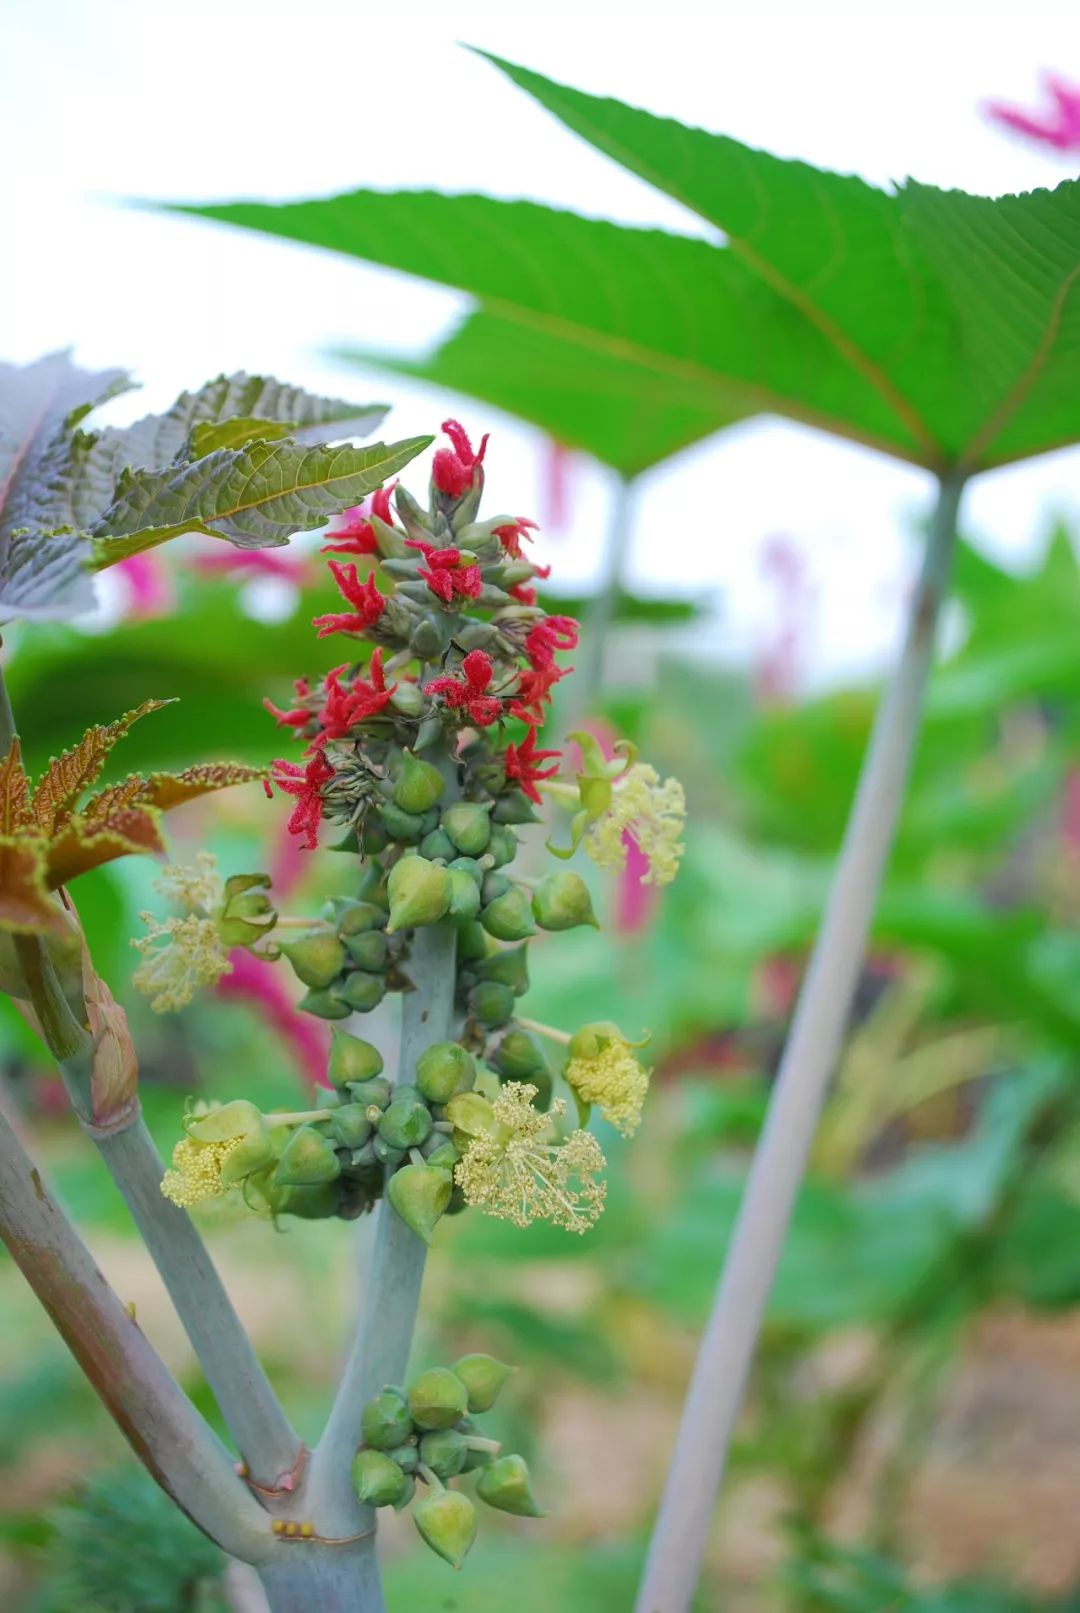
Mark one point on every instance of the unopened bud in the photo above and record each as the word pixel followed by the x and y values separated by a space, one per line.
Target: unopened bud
pixel 502 848
pixel 407 1457
pixel 420 1194
pixel 325 1004
pixel 443 1070
pixel 307 1160
pixel 514 807
pixel 509 967
pixel 406 1123
pixel 357 918
pixel 374 1092
pixel 386 1420
pixel 561 901
pixel 362 992
pixel 306 1203
pixel 401 825
pixel 483 1377
pixel 447 1522
pixel 317 959
pixel 408 699
pixel 444 1450
pixel 350 1125
pixel 418 786
pixel 518 1058
pixel 368 950
pixel 468 825
pixel 437 1398
pixel 438 846
pixel 464 895
pixel 419 893
pixel 509 918
pixel 378 1480
pixel 491 1003
pixel 506 1486
pixel 471 941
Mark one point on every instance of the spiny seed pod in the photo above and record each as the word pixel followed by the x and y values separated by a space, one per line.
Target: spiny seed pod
pixel 373 1092
pixel 399 824
pixel 438 846
pixel 317 959
pixel 419 1194
pixel 405 1123
pixel 324 1004
pixel 561 901
pixel 509 918
pixel 509 968
pixel 444 1450
pixel 471 941
pixel 483 1377
pixel 386 1420
pixel 443 1070
pixel 505 1485
pixel 437 1398
pixel 518 1057
pixel 464 895
pixel 386 1154
pixel 513 807
pixel 350 1126
pixel 362 992
pixel 503 845
pixel 470 1114
pixel 408 699
pixel 406 1456
pixel 491 1003
pixel 378 1480
pixel 418 786
pixel 356 918
pixel 307 1159
pixel 419 893
pixel 468 825
pixel 447 1522
pixel 368 951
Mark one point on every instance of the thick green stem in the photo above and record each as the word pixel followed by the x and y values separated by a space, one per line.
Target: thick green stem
pixel 166 1432
pixel 716 1390
pixel 322 1579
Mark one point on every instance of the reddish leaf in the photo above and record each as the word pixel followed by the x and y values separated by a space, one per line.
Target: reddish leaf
pixel 127 793
pixel 24 898
pixel 67 776
pixel 130 832
pixel 14 791
pixel 167 790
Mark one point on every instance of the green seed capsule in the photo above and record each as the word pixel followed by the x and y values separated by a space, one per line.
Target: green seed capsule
pixel 447 1522
pixel 518 1058
pixel 407 1457
pixel 418 786
pixel 352 1059
pixel 317 959
pixel 350 1126
pixel 483 1377
pixel 561 901
pixel 443 1070
pixel 468 825
pixel 444 1450
pixel 491 1003
pixel 437 846
pixel 356 918
pixel 464 895
pixel 386 1420
pixel 420 1194
pixel 509 968
pixel 401 825
pixel 368 951
pixel 324 1004
pixel 419 893
pixel 307 1160
pixel 503 845
pixel 471 941
pixel 508 918
pixel 405 1123
pixel 437 1398
pixel 505 1485
pixel 378 1480
pixel 374 1092
pixel 362 991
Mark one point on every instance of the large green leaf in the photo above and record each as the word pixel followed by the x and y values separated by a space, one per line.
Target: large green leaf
pixel 256 496
pixel 612 406
pixel 940 327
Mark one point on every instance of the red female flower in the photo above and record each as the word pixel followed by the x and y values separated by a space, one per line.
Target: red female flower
pixel 468 692
pixel 354 531
pixel 534 692
pixel 552 634
pixel 452 469
pixel 522 764
pixel 444 574
pixel 305 783
pixel 523 593
pixel 293 719
pixel 364 597
pixel 511 533
pixel 347 706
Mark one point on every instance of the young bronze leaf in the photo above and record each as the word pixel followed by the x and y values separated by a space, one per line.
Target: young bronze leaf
pixel 24 898
pixel 80 846
pixel 167 790
pixel 67 776
pixel 115 796
pixel 14 791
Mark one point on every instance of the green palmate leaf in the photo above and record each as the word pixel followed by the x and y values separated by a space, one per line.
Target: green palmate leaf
pixel 256 496
pixel 610 405
pixel 236 434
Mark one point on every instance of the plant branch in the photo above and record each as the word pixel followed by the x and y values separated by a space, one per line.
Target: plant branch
pixel 167 1434
pixel 716 1390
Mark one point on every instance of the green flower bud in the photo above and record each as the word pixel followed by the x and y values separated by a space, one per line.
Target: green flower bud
pixel 505 1485
pixel 477 1459
pixel 399 824
pixel 352 1060
pixel 438 846
pixel 467 824
pixel 431 820
pixel 386 1154
pixel 306 1203
pixel 373 838
pixel 418 786
pixel 248 912
pixel 405 1123
pixel 356 918
pixel 419 893
pixel 440 1151
pixel 362 992
pixel 408 699
pixel 375 1090
pixel 470 866
pixel 518 1058
pixel 483 1378
pixel 471 942
pixel 508 918
pixel 493 886
pixel 444 1450
pixel 464 895
pixel 443 1070
pixel 561 901
pixel 363 1160
pixel 492 1003
pixel 437 1398
pixel 324 1004
pixel 307 1159
pixel 447 1523
pixel 590 1041
pixel 470 1114
pixel 368 950
pixel 350 1126
pixel 236 1119
pixel 386 1420
pixel 407 1457
pixel 425 641
pixel 514 807
pixel 378 1480
pixel 510 967
pixel 503 845
pixel 317 959
pixel 371 885
pixel 420 1194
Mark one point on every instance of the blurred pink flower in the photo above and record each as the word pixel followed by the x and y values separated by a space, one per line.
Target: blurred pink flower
pixel 1057 125
pixel 555 481
pixel 779 658
pixel 258 984
pixel 146 583
pixel 294 568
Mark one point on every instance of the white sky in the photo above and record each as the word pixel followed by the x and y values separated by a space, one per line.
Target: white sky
pixel 103 99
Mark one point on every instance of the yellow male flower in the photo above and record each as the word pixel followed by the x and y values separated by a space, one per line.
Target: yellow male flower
pixel 224 1144
pixel 602 1070
pixel 182 954
pixel 618 799
pixel 517 1170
